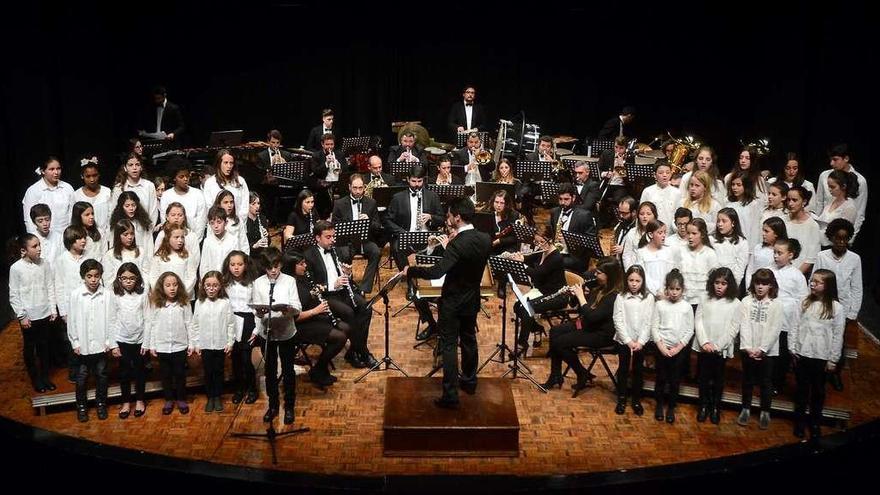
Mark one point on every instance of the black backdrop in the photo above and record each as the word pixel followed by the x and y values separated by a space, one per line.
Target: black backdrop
pixel 79 74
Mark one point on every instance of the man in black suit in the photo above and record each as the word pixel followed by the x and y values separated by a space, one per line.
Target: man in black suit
pixel 544 152
pixel 575 220
pixel 162 116
pixel 327 268
pixel 355 206
pixel 377 173
pixel 626 220
pixel 609 161
pixel 467 157
pixel 464 260
pixel 587 188
pixel 407 151
pixel 327 166
pixel 466 115
pixel 273 152
pixel 313 143
pixel 403 213
pixel 616 126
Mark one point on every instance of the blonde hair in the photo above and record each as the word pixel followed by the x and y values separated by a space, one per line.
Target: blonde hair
pixel 704 204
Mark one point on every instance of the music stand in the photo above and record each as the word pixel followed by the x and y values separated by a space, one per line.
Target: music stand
pixel 400 170
pixel 595 147
pixel 635 171
pixel 577 242
pixel 291 171
pixel 356 230
pixel 548 190
pixel 357 144
pixel 524 233
pixel 534 171
pixel 484 222
pixel 426 259
pixel 448 192
pixel 221 139
pixel 389 362
pixel 299 242
pixel 383 195
pixel 461 138
pixel 485 191
pixel 270 434
pixel 412 240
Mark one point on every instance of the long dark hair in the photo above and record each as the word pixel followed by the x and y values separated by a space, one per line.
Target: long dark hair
pixel 637 269
pixel 748 188
pixel 612 269
pixel 119 228
pixel 128 266
pixel 80 207
pixel 140 214
pixel 732 291
pixel 736 233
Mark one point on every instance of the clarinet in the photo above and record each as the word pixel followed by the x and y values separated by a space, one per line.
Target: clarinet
pixel 419 225
pixel 316 290
pixel 348 285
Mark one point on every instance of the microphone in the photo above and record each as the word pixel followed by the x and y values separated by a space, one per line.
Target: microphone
pixel 271 291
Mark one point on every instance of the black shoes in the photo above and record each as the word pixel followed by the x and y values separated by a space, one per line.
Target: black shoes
pixel 799 430
pixel 237 397
pixel 620 408
pixel 288 415
pixel 368 359
pixel 271 413
pixel 715 415
pixel 321 377
pixel 702 414
pixel 427 333
pixel 251 397
pixel 82 414
pixel 51 386
pixel 102 411
pixel 637 408
pixel 658 413
pixel 670 415
pixel 354 360
pixel 444 403
pixel 553 381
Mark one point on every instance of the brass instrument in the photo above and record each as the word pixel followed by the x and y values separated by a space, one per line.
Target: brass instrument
pixel 483 157
pixel 559 241
pixel 374 183
pixel 683 147
pixel 762 146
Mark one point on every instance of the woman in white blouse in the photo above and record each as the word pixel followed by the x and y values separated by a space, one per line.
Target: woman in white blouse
pixel 226 177
pixel 51 191
pixel 844 187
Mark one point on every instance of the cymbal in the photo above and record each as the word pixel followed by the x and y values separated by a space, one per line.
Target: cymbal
pixel 564 139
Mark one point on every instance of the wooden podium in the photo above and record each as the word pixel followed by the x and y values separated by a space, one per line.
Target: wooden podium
pixel 485 424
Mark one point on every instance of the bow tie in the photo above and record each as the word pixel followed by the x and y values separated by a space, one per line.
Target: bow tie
pixel 375 177
pixel 468 104
pixel 413 193
pixel 567 212
pixel 355 201
pixel 328 251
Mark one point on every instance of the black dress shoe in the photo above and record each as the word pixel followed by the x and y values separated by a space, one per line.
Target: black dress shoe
pixel 670 415
pixel 271 413
pixel 288 415
pixel 715 415
pixel 168 408
pixel 427 333
pixel 468 388
pixel 251 397
pixel 583 381
pixel 124 414
pixel 702 414
pixel 620 408
pixel 237 397
pixel 39 388
pixel 51 386
pixel 140 412
pixel 553 381
pixel 82 415
pixel 444 403
pixel 102 411
pixel 637 408
pixel 368 359
pixel 354 360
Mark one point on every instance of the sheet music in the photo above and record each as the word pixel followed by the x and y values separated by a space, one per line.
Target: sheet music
pixel 153 135
pixel 521 297
pixel 438 282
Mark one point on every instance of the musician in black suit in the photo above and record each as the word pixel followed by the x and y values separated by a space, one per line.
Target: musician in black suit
pixel 327 166
pixel 332 269
pixel 355 206
pixel 587 187
pixel 467 115
pixel 403 212
pixel 616 126
pixel 609 160
pixel 265 157
pixel 375 165
pixel 626 220
pixel 575 220
pixel 407 151
pixel 467 157
pixel 313 142
pixel 162 116
pixel 544 153
pixel 463 263
pixel 443 174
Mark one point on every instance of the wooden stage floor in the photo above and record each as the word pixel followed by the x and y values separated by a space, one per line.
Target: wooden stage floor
pixel 559 435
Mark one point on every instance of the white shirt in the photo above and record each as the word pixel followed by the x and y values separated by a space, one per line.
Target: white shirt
pixel 95 249
pixel 131 313
pixel 333 167
pixel 169 328
pixel 414 209
pixel 191 241
pixel 185 268
pixel 808 234
pixel 733 256
pixel 213 324
pixel 355 211
pixel 717 322
pixel 846 210
pixel 239 298
pixel 51 245
pixel 193 202
pixel 657 263
pixel 66 270
pixel 101 205
pixel 762 257
pixel 672 323
pixel 468 114
pixel 111 263
pixel 143 239
pixel 630 245
pixel 632 318
pixel 792 291
pixel 283 326
pixel 749 220
pixel 31 289
pixel 146 193
pixel 719 191
pixel 214 251
pixel 666 200
pixel 771 212
pixel 710 216
pixel 238 232
pixel 695 266
pixel 759 325
pixel 59 199
pixel 823 196
pixel 816 337
pixel 848 271
pixel 211 188
pixel 90 319
pixel 331 268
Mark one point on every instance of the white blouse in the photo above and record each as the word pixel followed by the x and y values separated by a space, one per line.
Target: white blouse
pixel 672 323
pixel 283 325
pixel 239 297
pixel 749 220
pixel 848 271
pixel 66 269
pixel 792 291
pixel 632 318
pixel 185 268
pixel 213 324
pixel 131 312
pixel 241 193
pixel 657 263
pixel 215 250
pixel 733 256
pixel 717 322
pixel 762 257
pixel 759 325
pixel 816 337
pixel 101 205
pixel 59 199
pixel 111 263
pixel 31 289
pixel 193 203
pixel 146 193
pixel 808 234
pixel 90 319
pixel 666 200
pixel 846 210
pixel 710 216
pixel 169 329
pixel 695 267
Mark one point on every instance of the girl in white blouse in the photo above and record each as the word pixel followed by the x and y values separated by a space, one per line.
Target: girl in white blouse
pixel 227 178
pixel 729 243
pixel 214 329
pixel 131 306
pixel 172 256
pixel 83 215
pixel 130 179
pixel 632 319
pixel 777 193
pixel 801 226
pixel 92 192
pixel 715 327
pixel 816 342
pixel 792 291
pixel 740 199
pixel 176 213
pixel 656 258
pixel 772 230
pixel 759 326
pixel 128 207
pixel 699 199
pixel 32 297
pixel 238 280
pixel 169 335
pixel 647 212
pixel 672 327
pixel 843 187
pixel 124 250
pixel 235 226
pixel 697 261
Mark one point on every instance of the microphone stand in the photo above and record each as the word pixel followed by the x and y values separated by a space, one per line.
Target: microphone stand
pixel 271 435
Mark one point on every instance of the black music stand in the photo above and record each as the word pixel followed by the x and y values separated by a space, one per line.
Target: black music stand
pixel 400 170
pixel 595 147
pixel 500 268
pixel 225 138
pixel 386 359
pixel 412 240
pixel 524 233
pixel 299 242
pixel 548 190
pixel 579 242
pixel 534 171
pixel 461 138
pixel 356 230
pixel 357 144
pixel 383 195
pixel 447 192
pixel 426 259
pixel 484 222
pixel 636 171
pixel 486 190
pixel 291 171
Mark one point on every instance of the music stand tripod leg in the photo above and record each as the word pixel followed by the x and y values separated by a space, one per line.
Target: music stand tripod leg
pixel 386 359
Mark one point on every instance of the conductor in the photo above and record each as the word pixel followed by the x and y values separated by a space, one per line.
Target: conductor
pixel 463 263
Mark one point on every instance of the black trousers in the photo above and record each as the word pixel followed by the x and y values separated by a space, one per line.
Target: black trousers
pixel 286 349
pixel 668 376
pixel 95 364
pixel 373 254
pixel 172 365
pixel 782 363
pixel 457 330
pixel 710 369
pixel 528 325
pixel 358 317
pixel 60 351
pixel 758 372
pixel 36 348
pixel 565 338
pixel 243 371
pixel 131 367
pixel 213 361
pixel 319 331
pixel 625 358
pixel 810 377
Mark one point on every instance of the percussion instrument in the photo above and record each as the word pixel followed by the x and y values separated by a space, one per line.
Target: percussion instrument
pixel 656 154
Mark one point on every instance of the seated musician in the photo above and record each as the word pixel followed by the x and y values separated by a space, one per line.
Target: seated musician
pixel 504 238
pixel 407 151
pixel 377 177
pixel 329 269
pixel 544 152
pixel 503 174
pixel 444 172
pixel 593 328
pixel 467 157
pixel 327 166
pixel 577 220
pixel 611 162
pixel 313 143
pixel 466 115
pixel 315 324
pixel 352 207
pixel 548 277
pixel 303 217
pixel 587 187
pixel 273 153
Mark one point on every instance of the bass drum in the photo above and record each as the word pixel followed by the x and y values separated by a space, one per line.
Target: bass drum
pixel 423 139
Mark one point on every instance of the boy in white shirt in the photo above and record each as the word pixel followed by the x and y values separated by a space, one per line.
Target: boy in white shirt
pixel 664 196
pixel 218 243
pixel 50 241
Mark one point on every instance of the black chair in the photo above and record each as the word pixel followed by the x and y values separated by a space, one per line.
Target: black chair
pixel 596 354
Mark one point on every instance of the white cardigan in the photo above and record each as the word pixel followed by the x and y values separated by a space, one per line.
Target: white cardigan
pixel 632 318
pixel 717 322
pixel 815 337
pixel 759 325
